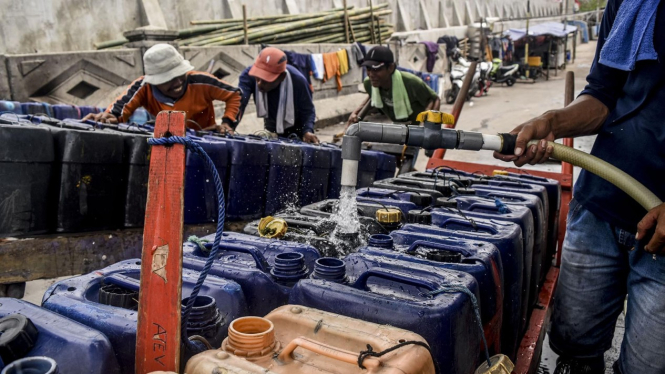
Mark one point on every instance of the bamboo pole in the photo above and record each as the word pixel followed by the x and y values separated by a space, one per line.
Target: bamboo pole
pixel 346 23
pixel 233 39
pixel 371 17
pixel 244 23
pixel 271 17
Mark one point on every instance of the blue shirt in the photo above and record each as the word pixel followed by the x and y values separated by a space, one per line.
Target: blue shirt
pixel 302 102
pixel 633 136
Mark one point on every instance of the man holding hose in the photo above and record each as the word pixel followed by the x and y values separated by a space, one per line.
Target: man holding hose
pixel 613 246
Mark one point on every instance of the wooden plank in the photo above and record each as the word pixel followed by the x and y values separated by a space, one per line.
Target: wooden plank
pixel 528 355
pixel 158 331
pixel 59 255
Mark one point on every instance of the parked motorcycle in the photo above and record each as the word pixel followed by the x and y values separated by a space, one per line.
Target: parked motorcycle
pixel 504 74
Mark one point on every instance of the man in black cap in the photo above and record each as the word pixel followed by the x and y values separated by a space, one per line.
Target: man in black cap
pixel 399 95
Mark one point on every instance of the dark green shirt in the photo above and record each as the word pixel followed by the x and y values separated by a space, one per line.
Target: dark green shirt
pixel 420 95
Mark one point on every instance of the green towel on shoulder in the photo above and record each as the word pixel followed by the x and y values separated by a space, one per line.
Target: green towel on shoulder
pixel 401 103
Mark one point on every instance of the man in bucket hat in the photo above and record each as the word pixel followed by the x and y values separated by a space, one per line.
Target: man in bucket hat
pixel 170 83
pixel 281 94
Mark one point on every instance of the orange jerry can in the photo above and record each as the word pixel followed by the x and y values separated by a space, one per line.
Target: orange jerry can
pixel 295 339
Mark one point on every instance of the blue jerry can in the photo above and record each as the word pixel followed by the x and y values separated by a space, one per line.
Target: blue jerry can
pixel 106 300
pixel 386 167
pixel 369 162
pixel 248 173
pixel 65 111
pixel 315 173
pixel 414 185
pixel 392 292
pixel 335 177
pixel 265 269
pixel 482 260
pixel 403 200
pixel 478 207
pixel 10 106
pixel 200 192
pixel 283 175
pixel 507 238
pixel 72 345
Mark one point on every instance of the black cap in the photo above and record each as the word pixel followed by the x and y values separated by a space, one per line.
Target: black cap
pixel 378 56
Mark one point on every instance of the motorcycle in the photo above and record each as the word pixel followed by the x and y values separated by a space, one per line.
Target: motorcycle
pixel 480 84
pixel 504 74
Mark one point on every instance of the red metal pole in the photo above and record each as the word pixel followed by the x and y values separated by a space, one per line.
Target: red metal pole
pixel 158 331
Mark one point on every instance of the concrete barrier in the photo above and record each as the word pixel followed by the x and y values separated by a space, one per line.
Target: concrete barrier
pixel 77 78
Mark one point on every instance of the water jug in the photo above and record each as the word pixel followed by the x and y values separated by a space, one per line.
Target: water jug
pixel 534 204
pixel 335 177
pixel 65 111
pixel 37 108
pixel 482 260
pixel 553 188
pixel 393 292
pixel 248 172
pixel 369 162
pixel 107 300
pixel 261 267
pixel 200 192
pixel 477 207
pixel 283 176
pixel 506 237
pixel 405 201
pixel 88 179
pixel 26 166
pixel 326 343
pixel 315 173
pixel 386 167
pixel 72 345
pixel 414 185
pixel 11 106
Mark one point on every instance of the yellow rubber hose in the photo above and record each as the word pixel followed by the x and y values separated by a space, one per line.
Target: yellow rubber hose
pixel 606 171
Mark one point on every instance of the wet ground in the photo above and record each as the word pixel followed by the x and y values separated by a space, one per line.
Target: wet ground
pixel 502 110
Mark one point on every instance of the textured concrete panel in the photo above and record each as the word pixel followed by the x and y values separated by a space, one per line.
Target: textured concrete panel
pixel 414 57
pixel 88 78
pixel 231 60
pixel 5 92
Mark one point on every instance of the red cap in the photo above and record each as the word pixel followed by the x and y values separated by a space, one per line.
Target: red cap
pixel 269 64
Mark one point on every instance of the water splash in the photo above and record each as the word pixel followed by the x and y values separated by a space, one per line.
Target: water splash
pixel 346 216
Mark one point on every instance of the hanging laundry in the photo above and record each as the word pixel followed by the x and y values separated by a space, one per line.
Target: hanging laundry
pixel 331 64
pixel 302 62
pixel 343 61
pixel 432 49
pixel 317 66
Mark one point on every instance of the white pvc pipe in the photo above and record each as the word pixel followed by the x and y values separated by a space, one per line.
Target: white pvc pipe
pixel 492 142
pixel 349 173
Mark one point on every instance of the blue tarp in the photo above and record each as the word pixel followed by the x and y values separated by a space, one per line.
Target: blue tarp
pixel 548 28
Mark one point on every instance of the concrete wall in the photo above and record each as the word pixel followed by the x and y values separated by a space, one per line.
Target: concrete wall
pixel 40 26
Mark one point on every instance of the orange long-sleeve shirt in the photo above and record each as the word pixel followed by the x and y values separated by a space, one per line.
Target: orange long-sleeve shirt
pixel 202 89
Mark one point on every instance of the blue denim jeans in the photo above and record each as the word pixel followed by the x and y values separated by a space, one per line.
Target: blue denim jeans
pixel 600 265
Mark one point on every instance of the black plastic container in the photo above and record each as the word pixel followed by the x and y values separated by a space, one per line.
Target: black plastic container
pixel 26 162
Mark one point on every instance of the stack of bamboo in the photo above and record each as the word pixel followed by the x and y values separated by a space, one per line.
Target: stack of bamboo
pixel 365 25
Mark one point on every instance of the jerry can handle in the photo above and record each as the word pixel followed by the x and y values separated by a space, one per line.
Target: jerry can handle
pixel 462 222
pixel 440 246
pixel 261 262
pixel 511 184
pixel 123 281
pixel 395 276
pixel 286 356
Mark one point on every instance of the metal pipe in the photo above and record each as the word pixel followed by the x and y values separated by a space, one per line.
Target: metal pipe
pixel 429 136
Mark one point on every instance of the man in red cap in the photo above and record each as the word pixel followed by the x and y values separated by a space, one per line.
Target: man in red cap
pixel 281 94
